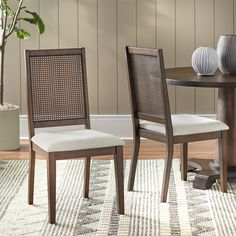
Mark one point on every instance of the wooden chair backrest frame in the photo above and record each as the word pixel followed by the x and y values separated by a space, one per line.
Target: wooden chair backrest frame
pixel 57 93
pixel 148 65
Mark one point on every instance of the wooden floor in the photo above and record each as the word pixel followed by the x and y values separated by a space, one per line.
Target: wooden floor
pixel 148 150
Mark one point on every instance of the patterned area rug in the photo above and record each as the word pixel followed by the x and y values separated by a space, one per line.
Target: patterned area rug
pixel 188 211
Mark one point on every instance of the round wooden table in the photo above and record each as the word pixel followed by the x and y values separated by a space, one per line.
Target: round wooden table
pixel 226 84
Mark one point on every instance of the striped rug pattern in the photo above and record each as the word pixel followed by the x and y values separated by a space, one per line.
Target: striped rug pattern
pixel 12 175
pixel 188 211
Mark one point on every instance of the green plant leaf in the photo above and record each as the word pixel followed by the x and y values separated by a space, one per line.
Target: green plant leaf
pixel 29 20
pixel 38 21
pixel 22 34
pixel 7 9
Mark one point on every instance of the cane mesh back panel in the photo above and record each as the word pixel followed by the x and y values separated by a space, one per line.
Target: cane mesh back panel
pixel 57 84
pixel 147 84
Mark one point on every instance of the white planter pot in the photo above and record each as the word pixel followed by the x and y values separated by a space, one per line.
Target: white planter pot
pixel 9 129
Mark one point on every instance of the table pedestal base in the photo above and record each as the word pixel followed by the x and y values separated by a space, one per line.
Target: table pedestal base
pixel 207 172
pixel 226 112
pixel 206 175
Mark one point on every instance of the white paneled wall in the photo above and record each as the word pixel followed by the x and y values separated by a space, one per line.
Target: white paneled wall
pixel 104 27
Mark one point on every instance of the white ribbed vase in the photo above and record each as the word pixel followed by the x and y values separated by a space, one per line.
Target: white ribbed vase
pixel 205 61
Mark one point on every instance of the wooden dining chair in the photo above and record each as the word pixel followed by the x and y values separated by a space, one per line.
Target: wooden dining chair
pixel 57 95
pixel 152 118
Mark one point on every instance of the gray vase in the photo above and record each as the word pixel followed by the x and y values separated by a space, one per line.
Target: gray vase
pixel 226 50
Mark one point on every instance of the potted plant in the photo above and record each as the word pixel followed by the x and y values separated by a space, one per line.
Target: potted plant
pixel 9 25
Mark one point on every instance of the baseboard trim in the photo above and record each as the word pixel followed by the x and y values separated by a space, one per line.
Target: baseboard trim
pixel 119 125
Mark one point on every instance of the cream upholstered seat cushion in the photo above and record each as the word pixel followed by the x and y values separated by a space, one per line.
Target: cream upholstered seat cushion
pixel 69 140
pixel 187 124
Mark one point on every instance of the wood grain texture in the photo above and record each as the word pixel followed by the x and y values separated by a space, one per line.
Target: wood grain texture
pixel 185 97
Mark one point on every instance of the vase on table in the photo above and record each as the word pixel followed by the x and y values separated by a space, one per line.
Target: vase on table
pixel 226 50
pixel 205 61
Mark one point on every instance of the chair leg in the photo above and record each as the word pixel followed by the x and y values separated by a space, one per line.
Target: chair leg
pixel 51 171
pixel 166 176
pixel 31 177
pixel 136 145
pixel 223 164
pixel 87 162
pixel 184 160
pixel 119 176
